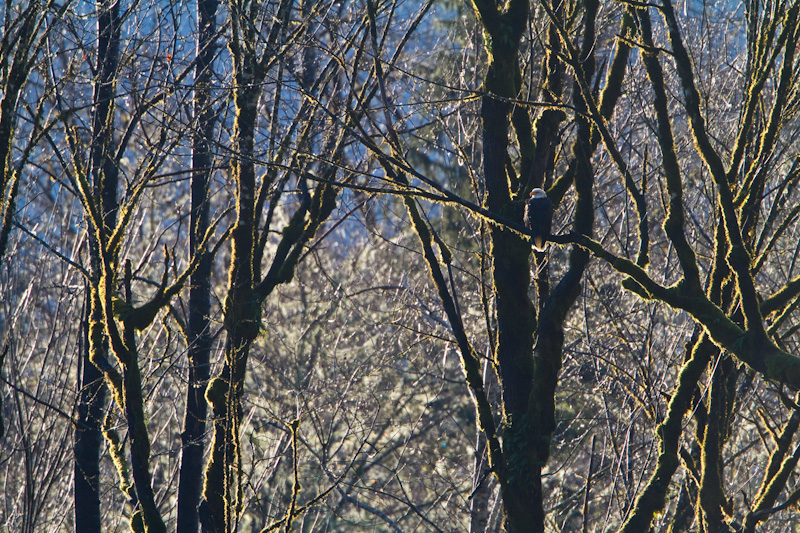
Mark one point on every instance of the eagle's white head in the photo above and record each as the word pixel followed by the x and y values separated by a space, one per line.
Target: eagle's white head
pixel 538 193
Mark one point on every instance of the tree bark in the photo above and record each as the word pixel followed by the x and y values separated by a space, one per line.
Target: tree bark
pixel 104 189
pixel 199 337
pixel 88 436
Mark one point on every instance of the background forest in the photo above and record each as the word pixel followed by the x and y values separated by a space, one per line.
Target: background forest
pixel 263 266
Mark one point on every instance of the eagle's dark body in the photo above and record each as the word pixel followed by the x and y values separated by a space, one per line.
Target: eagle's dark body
pixel 539 218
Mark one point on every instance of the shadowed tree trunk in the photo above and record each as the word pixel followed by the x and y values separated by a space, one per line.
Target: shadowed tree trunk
pixel 519 155
pixel 199 337
pixel 528 375
pixel 88 435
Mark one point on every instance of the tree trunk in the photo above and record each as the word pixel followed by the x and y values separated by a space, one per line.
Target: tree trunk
pixel 88 436
pixel 104 182
pixel 242 316
pixel 199 337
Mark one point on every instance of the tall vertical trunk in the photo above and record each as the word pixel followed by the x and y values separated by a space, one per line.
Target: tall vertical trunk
pixel 510 252
pixel 88 435
pixel 528 376
pixel 247 287
pixel 242 316
pixel 194 425
pixel 104 182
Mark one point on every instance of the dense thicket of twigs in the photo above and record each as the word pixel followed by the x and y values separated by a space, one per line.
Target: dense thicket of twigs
pixel 263 266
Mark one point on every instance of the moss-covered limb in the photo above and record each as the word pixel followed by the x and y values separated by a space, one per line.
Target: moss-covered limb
pixel 645 286
pixel 784 297
pixel 683 517
pixel 608 99
pixel 782 316
pixel 600 115
pixel 242 313
pixel 538 156
pixel 130 400
pixel 300 230
pixel 537 172
pixel 140 449
pixel 779 467
pixel 612 86
pixel 20 49
pixel 760 64
pixel 691 96
pixel 303 508
pixel 674 222
pixel 756 351
pixel 111 307
pixel 654 496
pixel 269 189
pixel 791 501
pixel 279 147
pixel 125 211
pixel 98 349
pixel 141 317
pixel 290 512
pixel 303 225
pixel 8 206
pixel 643 255
pixel 222 476
pixel 212 509
pixel 117 453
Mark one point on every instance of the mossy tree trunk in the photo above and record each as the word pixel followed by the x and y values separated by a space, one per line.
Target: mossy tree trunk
pixel 105 177
pixel 114 320
pixel 529 375
pixel 23 43
pixel 256 202
pixel 519 154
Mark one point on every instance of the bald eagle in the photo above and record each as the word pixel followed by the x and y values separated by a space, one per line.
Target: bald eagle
pixel 539 218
